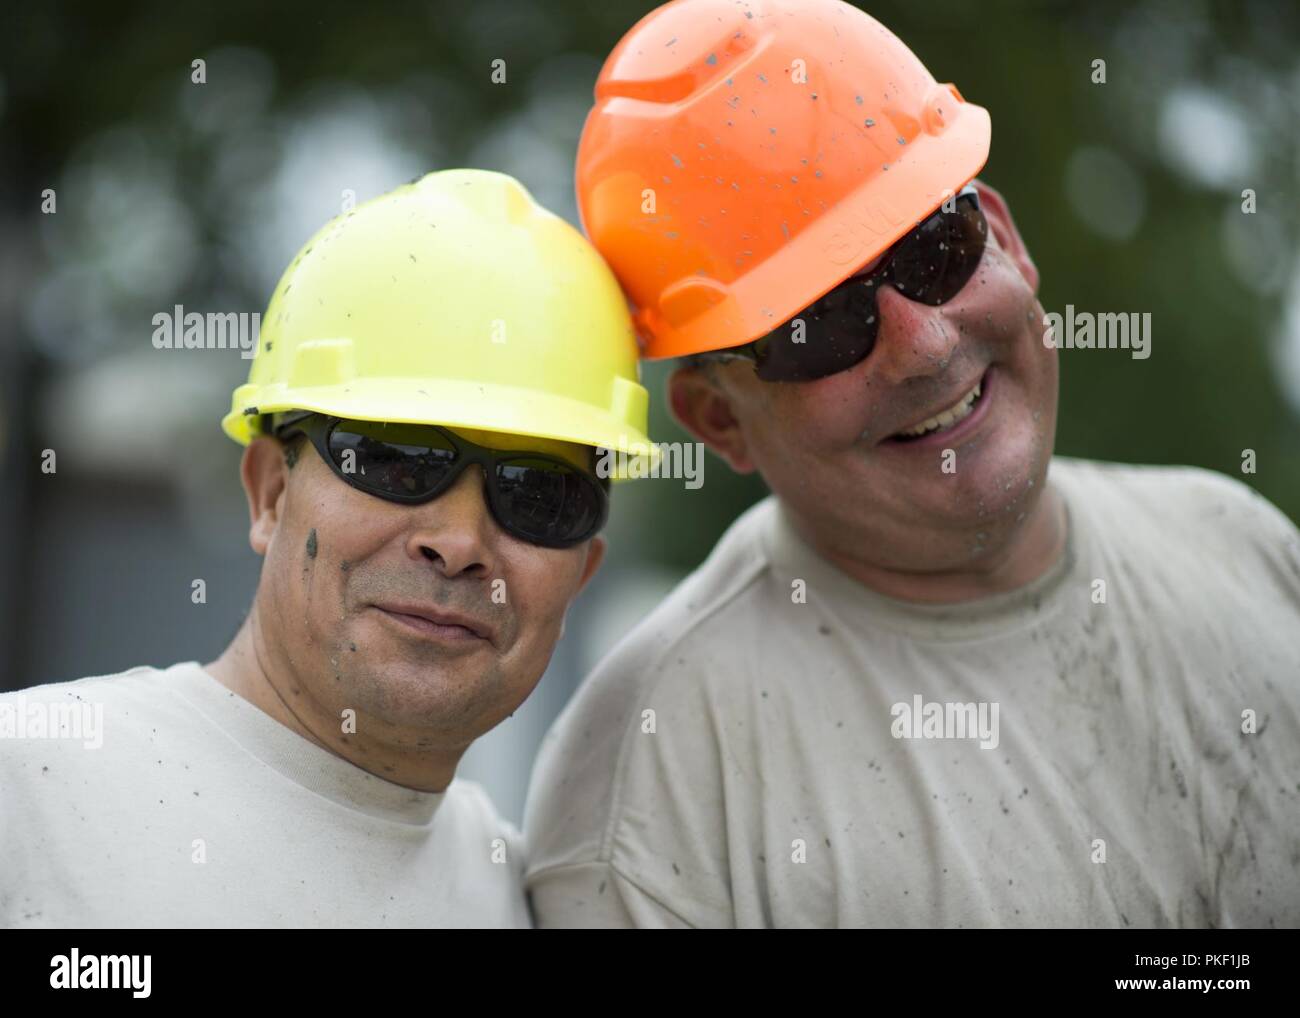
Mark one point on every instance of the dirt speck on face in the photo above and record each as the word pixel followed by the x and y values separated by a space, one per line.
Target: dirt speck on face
pixel 311 543
pixel 345 565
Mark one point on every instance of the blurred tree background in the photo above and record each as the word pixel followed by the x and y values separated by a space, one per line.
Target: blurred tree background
pixel 1128 193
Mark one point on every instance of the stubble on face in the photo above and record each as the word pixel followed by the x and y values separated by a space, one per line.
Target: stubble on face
pixel 338 554
pixel 828 447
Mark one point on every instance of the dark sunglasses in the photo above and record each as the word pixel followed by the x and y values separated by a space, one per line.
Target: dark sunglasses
pixel 929 265
pixel 534 496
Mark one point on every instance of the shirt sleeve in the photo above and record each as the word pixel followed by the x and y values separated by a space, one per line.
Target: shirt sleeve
pixel 594 895
pixel 1264 542
pixel 1281 537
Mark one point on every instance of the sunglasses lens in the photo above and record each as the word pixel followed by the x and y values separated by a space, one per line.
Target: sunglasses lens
pixel 547 503
pixel 930 265
pixel 407 461
pixel 831 335
pixel 939 258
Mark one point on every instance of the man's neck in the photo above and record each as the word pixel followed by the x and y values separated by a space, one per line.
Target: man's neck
pixel 243 669
pixel 1032 550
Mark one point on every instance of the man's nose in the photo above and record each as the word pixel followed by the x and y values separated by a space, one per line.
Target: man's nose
pixel 915 340
pixel 455 531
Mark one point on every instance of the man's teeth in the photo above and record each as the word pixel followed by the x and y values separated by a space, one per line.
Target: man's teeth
pixel 946 418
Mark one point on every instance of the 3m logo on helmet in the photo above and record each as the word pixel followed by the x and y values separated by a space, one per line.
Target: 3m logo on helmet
pixel 852 236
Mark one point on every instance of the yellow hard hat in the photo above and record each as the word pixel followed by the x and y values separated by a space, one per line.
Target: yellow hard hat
pixel 453 300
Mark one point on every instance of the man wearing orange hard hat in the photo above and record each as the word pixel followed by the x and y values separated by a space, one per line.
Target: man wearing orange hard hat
pixel 939 677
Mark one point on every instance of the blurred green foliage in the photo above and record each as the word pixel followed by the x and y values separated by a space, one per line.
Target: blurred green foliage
pixel 1213 385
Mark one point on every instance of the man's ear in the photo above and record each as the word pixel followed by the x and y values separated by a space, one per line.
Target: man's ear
pixel 265 475
pixel 703 407
pixel 595 556
pixel 1004 229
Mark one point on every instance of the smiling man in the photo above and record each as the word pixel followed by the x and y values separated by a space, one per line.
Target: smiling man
pixel 422 420
pixel 939 677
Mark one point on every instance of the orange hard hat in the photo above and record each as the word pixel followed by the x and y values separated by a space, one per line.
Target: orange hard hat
pixel 744 158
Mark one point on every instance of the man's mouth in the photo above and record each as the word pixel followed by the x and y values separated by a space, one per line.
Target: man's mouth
pixel 948 418
pixel 436 623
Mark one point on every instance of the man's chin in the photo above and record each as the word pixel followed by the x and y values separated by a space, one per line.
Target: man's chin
pixel 994 484
pixel 391 688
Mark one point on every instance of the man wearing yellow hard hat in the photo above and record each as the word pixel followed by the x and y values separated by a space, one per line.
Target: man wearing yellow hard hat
pixel 437 371
pixel 939 677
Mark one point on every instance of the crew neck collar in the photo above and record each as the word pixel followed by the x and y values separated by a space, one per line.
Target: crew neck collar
pixel 298 759
pixel 977 618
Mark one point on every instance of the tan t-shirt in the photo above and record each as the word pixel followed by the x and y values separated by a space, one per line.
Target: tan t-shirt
pixel 168 801
pixel 748 758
